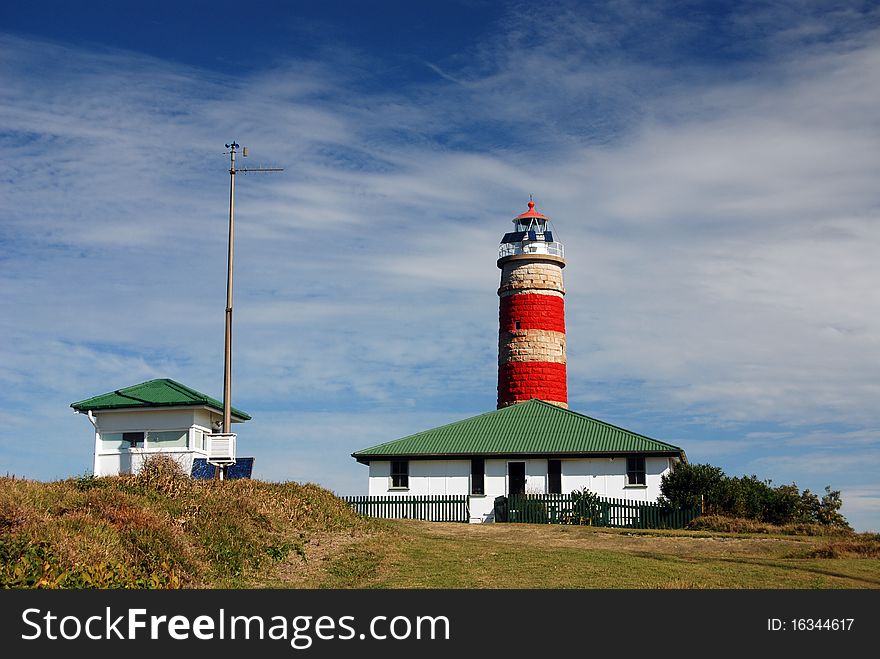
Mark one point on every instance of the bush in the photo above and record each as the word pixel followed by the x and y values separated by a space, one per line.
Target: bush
pixel 163 474
pixel 686 483
pixel 829 509
pixel 586 508
pixel 748 497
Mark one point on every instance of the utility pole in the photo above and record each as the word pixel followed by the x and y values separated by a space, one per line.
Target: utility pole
pixel 227 352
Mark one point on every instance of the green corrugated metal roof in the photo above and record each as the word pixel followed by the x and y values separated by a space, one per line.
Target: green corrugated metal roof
pixel 529 428
pixel 153 393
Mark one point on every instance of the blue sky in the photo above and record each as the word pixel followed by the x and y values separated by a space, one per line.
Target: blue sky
pixel 711 168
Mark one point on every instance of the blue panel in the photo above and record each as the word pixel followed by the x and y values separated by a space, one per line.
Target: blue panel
pixel 202 470
pixel 242 468
pixel 548 236
pixel 532 235
pixel 513 237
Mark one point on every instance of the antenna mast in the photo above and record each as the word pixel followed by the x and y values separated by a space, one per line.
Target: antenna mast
pixel 227 353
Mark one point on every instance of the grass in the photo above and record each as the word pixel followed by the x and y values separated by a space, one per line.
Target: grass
pixel 160 529
pixel 411 554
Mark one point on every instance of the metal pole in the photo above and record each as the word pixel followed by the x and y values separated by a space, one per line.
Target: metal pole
pixel 227 349
pixel 227 355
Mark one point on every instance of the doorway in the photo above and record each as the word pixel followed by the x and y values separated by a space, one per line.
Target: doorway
pixel 516 478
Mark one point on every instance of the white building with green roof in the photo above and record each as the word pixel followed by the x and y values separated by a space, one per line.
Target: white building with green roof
pixel 157 416
pixel 530 447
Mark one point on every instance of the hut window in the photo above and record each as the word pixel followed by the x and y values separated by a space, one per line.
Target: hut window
pixel 121 440
pixel 400 474
pixel 167 439
pixel 635 471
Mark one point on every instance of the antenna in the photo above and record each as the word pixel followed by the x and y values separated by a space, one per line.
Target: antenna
pixel 227 353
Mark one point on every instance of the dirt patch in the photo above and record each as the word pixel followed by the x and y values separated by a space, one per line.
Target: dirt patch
pixel 308 568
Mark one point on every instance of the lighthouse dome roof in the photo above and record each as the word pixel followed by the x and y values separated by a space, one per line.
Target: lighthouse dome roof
pixel 531 214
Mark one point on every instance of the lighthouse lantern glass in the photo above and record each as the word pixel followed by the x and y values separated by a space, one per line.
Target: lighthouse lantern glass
pixel 532 235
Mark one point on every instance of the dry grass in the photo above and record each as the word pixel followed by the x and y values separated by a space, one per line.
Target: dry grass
pixel 865 545
pixel 412 554
pixel 740 525
pixel 160 528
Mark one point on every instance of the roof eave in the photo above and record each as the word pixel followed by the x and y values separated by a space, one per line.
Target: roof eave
pixel 78 407
pixel 367 458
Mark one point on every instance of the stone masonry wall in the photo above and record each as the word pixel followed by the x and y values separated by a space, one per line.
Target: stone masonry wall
pixel 531 333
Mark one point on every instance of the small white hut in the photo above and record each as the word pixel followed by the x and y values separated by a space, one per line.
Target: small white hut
pixel 158 416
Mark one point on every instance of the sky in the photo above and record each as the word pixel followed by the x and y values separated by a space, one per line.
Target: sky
pixel 710 167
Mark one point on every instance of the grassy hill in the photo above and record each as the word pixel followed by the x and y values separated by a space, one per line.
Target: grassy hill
pixel 160 529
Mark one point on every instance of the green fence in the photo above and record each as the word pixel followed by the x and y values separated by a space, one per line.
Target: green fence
pixel 433 508
pixel 592 511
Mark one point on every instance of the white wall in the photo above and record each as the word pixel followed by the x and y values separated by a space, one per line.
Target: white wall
pixel 145 420
pixel 425 477
pixel 131 461
pixel 113 461
pixel 603 476
pixel 607 477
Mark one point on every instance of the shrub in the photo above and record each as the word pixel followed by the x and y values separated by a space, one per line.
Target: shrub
pixel 586 508
pixel 684 485
pixel 829 509
pixel 748 497
pixel 163 474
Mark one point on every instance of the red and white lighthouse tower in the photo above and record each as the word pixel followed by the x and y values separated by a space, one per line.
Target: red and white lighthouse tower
pixel 531 330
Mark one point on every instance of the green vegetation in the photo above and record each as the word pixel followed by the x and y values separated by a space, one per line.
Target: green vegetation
pixel 160 529
pixel 412 554
pixel 750 498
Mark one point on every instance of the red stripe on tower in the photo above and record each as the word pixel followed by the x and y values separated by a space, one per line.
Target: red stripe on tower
pixel 532 311
pixel 531 316
pixel 521 381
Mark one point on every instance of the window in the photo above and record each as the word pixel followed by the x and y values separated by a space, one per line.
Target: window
pixel 635 471
pixel 516 324
pixel 133 439
pixel 478 476
pixel 168 439
pixel 121 440
pixel 400 474
pixel 554 476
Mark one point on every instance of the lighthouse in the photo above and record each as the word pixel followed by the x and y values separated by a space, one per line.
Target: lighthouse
pixel 531 318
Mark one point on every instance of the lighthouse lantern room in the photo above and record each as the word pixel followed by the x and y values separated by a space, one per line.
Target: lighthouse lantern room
pixel 532 234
